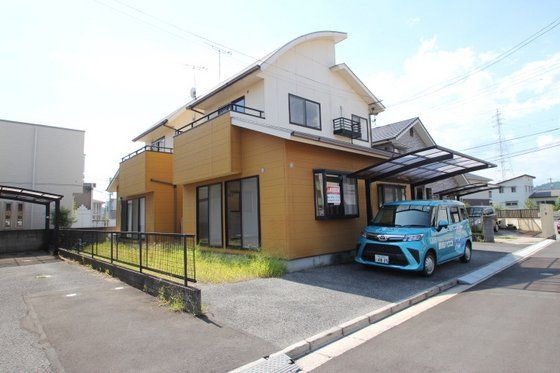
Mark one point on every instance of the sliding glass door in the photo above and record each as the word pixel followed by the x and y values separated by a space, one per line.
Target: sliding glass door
pixel 209 215
pixel 242 213
pixel 133 215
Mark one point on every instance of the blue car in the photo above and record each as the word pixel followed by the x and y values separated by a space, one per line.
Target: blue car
pixel 416 236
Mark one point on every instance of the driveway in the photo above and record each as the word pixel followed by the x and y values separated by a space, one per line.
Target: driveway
pixel 59 316
pixel 286 310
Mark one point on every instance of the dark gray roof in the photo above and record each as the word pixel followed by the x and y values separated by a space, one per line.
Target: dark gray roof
pixel 540 194
pixel 471 176
pixel 390 131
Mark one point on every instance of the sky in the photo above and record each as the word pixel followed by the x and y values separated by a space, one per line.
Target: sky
pixel 116 67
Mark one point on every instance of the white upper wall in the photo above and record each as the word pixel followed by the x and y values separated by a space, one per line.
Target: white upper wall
pixel 523 189
pixel 49 159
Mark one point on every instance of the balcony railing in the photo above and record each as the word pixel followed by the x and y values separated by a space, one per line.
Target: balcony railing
pixel 347 127
pixel 147 148
pixel 224 109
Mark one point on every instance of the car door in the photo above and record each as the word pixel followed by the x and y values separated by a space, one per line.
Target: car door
pixel 443 238
pixel 457 230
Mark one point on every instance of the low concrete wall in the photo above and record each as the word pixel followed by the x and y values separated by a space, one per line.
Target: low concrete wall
pixel 151 285
pixel 525 224
pixel 17 241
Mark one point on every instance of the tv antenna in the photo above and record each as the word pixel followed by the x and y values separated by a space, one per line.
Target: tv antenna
pixel 220 52
pixel 195 68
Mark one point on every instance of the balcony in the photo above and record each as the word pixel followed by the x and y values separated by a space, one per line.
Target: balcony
pixel 347 128
pixel 224 109
pixel 141 171
pixel 147 148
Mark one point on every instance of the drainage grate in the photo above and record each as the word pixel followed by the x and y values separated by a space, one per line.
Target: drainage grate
pixel 277 363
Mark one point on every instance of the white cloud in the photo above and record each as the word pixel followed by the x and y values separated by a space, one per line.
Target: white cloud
pixel 461 115
pixel 413 21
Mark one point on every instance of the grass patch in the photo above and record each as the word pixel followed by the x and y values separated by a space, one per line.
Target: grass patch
pixel 211 267
pixel 216 267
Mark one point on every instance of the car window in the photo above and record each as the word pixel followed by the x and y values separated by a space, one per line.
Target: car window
pixel 463 212
pixel 454 212
pixel 441 215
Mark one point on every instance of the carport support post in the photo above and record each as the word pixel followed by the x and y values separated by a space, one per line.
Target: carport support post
pixel 47 216
pixel 369 208
pixel 56 226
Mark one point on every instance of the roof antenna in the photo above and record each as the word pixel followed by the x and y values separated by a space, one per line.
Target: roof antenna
pixel 195 68
pixel 220 52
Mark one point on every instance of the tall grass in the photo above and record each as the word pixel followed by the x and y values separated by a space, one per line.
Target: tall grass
pixel 214 267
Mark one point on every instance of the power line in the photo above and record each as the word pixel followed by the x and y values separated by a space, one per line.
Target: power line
pixel 530 151
pixel 430 90
pixel 514 138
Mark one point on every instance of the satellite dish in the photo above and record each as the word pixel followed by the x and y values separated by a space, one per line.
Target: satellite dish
pixel 193 93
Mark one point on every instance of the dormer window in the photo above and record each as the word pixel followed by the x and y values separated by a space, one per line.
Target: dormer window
pixel 411 131
pixel 304 112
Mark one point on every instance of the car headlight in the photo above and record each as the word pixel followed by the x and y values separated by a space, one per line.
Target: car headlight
pixel 413 237
pixel 364 233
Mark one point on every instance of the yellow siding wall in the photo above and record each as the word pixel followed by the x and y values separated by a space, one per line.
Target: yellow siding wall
pixel 132 176
pixel 208 151
pixel 306 235
pixel 264 152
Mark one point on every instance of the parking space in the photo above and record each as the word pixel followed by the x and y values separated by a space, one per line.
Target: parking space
pixel 65 317
pixel 26 258
pixel 288 309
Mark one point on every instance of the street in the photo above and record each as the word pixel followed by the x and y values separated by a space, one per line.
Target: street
pixel 507 323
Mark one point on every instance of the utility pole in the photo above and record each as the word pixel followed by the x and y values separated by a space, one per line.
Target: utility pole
pixel 502 147
pixel 220 52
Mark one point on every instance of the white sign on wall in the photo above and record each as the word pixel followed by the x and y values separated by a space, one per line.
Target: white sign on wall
pixel 333 193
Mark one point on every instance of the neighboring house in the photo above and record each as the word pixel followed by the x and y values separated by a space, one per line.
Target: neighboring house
pixel 545 196
pixel 262 161
pixel 479 198
pixel 513 193
pixel 91 210
pixel 408 135
pixel 38 157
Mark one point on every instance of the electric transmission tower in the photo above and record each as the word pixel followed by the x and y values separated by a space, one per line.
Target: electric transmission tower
pixel 503 152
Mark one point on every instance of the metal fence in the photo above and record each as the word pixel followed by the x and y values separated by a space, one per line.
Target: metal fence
pixel 165 255
pixel 518 213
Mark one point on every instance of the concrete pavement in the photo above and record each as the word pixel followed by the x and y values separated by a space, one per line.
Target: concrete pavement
pixel 507 323
pixel 64 317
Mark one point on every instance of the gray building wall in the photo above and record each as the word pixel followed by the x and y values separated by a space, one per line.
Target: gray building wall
pixel 49 159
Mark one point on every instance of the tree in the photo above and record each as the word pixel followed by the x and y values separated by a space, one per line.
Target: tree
pixel 557 205
pixel 65 217
pixel 530 204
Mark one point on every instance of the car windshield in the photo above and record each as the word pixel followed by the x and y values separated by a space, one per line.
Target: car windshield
pixel 404 216
pixel 475 211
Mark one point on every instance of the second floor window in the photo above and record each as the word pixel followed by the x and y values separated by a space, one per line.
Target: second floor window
pixel 304 112
pixel 159 143
pixel 364 127
pixel 513 189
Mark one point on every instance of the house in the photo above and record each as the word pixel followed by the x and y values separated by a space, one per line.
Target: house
pixel 271 159
pixel 513 193
pixel 408 135
pixel 91 209
pixel 545 196
pixel 38 157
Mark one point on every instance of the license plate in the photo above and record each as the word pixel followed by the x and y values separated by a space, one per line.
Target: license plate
pixel 383 259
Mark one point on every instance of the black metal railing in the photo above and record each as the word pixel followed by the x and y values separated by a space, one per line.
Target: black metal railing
pixel 347 127
pixel 148 148
pixel 165 255
pixel 224 109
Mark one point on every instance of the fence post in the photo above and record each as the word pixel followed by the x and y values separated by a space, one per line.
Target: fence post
pixel 111 237
pixel 147 250
pixel 140 251
pixel 185 258
pixel 93 243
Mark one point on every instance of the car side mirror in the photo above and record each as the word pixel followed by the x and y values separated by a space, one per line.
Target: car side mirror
pixel 442 224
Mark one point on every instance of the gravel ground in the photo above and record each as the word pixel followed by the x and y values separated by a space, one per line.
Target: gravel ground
pixel 288 309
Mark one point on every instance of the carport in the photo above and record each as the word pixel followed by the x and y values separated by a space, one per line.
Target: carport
pixel 38 198
pixel 464 190
pixel 419 167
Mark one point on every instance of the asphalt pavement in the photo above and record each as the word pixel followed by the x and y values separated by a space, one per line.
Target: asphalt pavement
pixel 299 305
pixel 60 316
pixel 509 323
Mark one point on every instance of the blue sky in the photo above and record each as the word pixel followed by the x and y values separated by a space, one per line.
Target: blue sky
pixel 106 68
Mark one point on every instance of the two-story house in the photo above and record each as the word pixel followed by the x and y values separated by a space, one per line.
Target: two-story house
pixel 513 193
pixel 263 160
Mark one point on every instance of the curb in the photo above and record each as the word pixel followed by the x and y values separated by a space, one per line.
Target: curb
pixel 326 337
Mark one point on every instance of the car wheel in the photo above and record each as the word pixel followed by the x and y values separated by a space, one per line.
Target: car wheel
pixel 429 264
pixel 468 253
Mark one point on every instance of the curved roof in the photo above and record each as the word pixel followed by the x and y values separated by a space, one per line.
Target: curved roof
pixel 335 36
